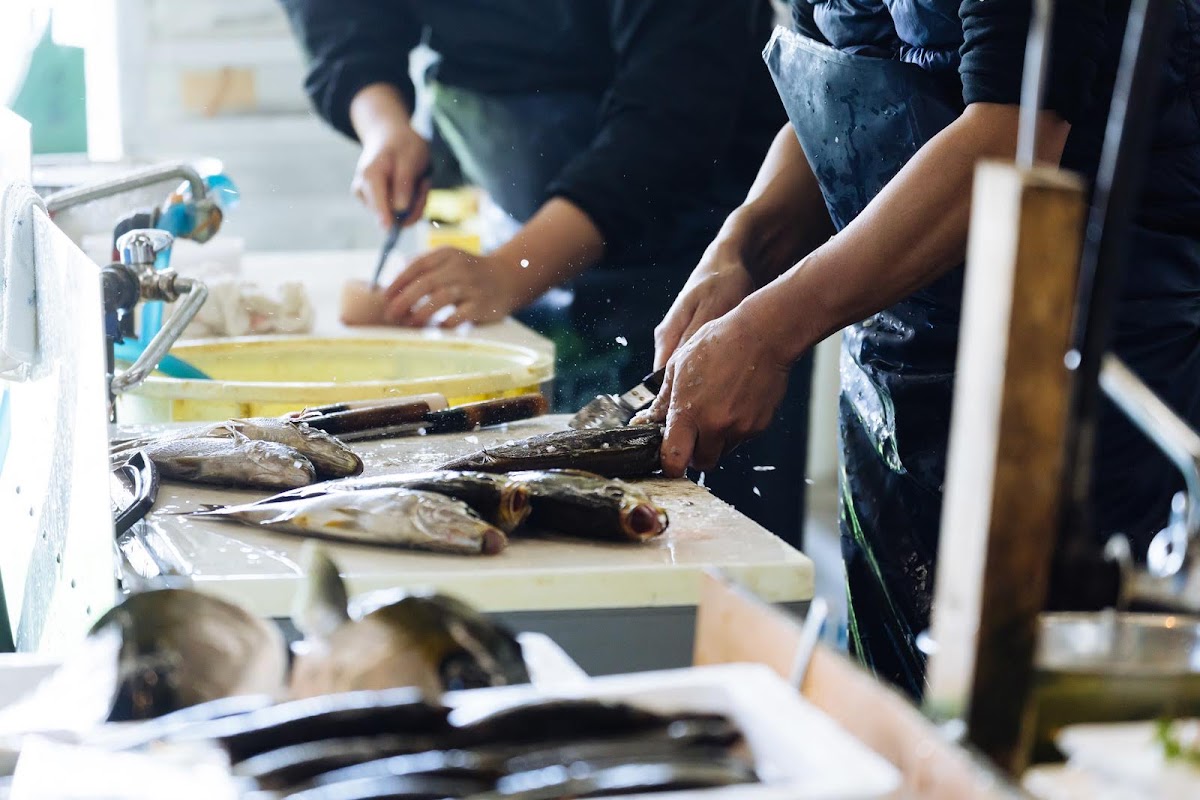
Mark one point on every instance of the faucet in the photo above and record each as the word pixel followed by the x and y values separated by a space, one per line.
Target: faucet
pixel 135 279
pixel 207 210
pixel 1171 577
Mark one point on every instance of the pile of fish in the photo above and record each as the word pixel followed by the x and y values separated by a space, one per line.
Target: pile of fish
pixel 395 744
pixel 449 511
pixel 259 453
pixel 360 711
pixel 181 648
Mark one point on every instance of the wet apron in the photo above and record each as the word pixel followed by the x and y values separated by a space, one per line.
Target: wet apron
pixel 859 120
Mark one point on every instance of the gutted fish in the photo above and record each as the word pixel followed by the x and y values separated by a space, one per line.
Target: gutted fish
pixel 432 642
pixel 576 503
pixel 330 457
pixel 612 452
pixel 499 499
pixel 403 518
pixel 232 462
pixel 181 648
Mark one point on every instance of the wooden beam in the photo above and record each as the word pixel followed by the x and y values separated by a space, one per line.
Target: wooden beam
pixel 1006 453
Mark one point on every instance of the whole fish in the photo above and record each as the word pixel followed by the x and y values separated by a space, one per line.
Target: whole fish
pixel 392 712
pixel 499 499
pixel 576 503
pixel 612 452
pixel 286 768
pixel 398 787
pixel 232 462
pixel 403 518
pixel 181 648
pixel 330 457
pixel 636 776
pixel 431 641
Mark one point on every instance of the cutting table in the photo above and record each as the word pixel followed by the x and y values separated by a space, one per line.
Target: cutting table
pixel 614 607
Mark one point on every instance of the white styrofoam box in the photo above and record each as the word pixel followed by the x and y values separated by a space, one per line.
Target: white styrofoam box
pixel 799 752
pixel 216 18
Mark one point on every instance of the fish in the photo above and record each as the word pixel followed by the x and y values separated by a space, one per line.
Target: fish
pixel 401 787
pixel 562 720
pixel 329 456
pixel 627 452
pixel 635 776
pixel 431 762
pixel 577 503
pixel 499 499
pixel 429 641
pixel 182 648
pixel 232 462
pixel 286 768
pixel 401 518
pixel 394 712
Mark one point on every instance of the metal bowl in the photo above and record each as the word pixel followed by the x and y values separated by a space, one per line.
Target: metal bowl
pixel 1111 667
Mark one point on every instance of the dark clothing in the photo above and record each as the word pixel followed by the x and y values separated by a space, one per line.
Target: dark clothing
pixel 898 366
pixel 682 98
pixel 653 116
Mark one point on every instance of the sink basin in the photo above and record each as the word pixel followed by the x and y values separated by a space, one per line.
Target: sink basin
pixel 271 375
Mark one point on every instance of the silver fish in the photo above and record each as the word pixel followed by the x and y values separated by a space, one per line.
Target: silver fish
pixel 498 498
pixel 330 457
pixel 232 462
pixel 404 518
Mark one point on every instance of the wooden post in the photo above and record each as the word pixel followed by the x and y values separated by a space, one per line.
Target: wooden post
pixel 1006 454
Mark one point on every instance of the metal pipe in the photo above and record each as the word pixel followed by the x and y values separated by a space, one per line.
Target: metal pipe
pixel 132 181
pixel 1033 82
pixel 196 293
pixel 1173 435
pixel 1115 195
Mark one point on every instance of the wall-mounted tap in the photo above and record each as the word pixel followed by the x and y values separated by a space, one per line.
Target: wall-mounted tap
pixel 204 212
pixel 139 251
pixel 1171 577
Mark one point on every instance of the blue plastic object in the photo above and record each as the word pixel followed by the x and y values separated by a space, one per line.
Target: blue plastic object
pixel 180 220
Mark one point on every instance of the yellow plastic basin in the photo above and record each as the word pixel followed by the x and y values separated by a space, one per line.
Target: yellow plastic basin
pixel 271 375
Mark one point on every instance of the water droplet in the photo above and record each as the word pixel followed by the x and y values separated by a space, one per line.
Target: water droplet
pixel 764 469
pixel 473 439
pixel 524 263
pixel 621 340
pixel 757 492
pixel 700 482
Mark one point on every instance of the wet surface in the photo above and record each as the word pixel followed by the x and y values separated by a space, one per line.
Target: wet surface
pixel 261 569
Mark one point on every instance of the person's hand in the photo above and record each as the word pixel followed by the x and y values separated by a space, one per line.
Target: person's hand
pixel 718 283
pixel 392 169
pixel 722 386
pixel 481 289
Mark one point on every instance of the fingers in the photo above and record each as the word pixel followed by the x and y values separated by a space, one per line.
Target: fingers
pixel 679 441
pixel 667 333
pixel 427 305
pixel 419 202
pixel 372 187
pixel 409 193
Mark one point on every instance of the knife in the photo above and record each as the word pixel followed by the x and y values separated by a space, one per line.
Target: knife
pixel 398 220
pixel 615 411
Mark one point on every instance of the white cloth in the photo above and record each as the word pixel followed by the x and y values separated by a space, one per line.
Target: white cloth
pixel 18 279
pixel 241 308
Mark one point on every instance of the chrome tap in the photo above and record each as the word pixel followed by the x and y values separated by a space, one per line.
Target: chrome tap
pixel 208 211
pixel 1171 576
pixel 139 250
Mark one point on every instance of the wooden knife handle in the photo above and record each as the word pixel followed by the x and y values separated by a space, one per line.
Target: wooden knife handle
pixel 436 402
pixel 361 419
pixel 485 413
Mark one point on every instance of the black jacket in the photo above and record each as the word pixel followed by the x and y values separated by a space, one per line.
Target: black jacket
pixel 683 91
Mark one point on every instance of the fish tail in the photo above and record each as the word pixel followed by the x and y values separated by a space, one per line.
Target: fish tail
pixel 320 607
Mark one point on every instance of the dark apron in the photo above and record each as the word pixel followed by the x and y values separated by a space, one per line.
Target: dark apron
pixel 860 120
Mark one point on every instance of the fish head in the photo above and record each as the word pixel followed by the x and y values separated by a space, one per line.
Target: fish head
pixel 279 463
pixel 468 649
pixel 641 517
pixel 344 461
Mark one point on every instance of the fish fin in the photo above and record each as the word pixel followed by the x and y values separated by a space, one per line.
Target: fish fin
pixel 321 606
pixel 202 509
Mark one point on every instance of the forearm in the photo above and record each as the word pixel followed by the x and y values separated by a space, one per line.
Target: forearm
pixel 783 217
pixel 913 232
pixel 559 242
pixel 376 106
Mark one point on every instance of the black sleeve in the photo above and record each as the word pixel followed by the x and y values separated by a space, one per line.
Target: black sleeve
pixel 993 52
pixel 349 45
pixel 669 113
